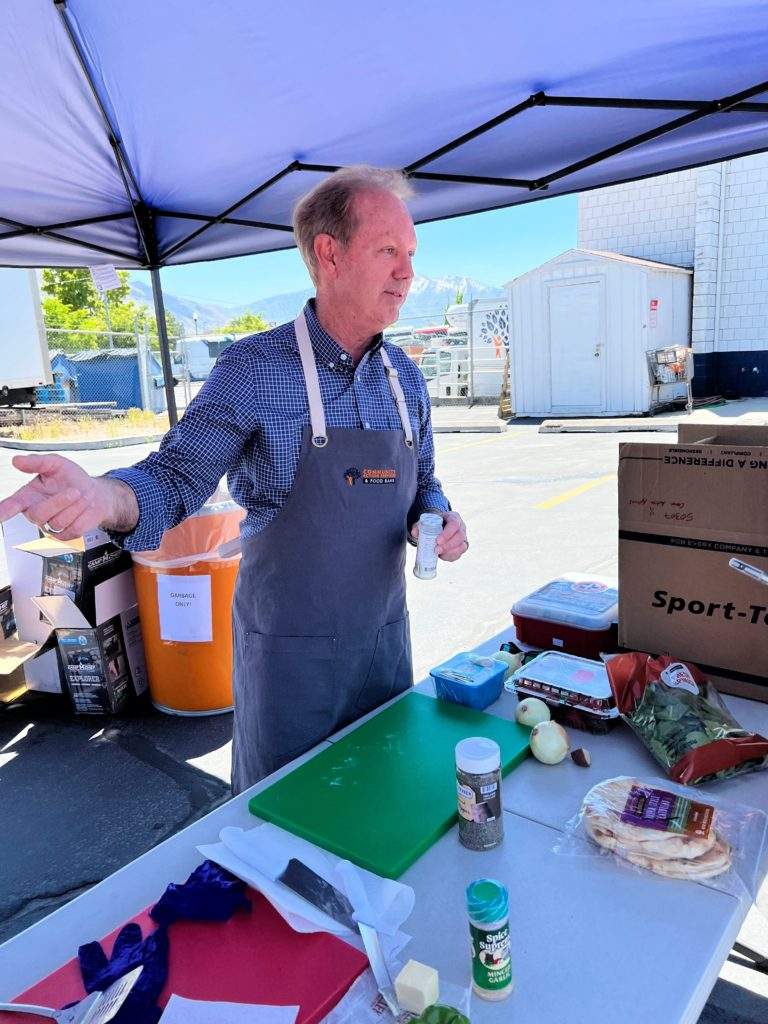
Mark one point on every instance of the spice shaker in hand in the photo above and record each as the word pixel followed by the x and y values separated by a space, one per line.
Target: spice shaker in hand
pixel 430 528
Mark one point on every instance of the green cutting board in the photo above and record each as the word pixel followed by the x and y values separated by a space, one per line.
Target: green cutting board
pixel 384 793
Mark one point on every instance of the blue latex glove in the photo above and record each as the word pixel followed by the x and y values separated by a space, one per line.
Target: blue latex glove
pixel 130 950
pixel 209 894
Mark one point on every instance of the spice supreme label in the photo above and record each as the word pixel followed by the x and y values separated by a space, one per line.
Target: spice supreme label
pixel 491 959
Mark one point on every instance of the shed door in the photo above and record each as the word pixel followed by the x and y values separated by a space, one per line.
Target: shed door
pixel 575 346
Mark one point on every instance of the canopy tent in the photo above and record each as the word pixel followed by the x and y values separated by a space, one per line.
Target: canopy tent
pixel 153 132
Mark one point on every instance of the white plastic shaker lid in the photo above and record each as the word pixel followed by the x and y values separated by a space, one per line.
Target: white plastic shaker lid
pixel 478 755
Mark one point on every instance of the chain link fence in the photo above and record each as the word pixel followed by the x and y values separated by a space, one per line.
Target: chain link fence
pixel 463 353
pixel 114 370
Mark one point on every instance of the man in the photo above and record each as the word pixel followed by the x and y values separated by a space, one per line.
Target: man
pixel 325 434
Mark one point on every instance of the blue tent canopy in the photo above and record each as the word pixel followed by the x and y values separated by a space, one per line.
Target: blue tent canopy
pixel 181 111
pixel 153 132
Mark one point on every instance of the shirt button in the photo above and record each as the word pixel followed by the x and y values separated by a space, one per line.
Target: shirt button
pixel 345 358
pixel 367 426
pixel 330 366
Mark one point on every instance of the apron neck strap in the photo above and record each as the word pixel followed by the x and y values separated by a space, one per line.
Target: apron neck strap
pixel 397 392
pixel 316 411
pixel 312 382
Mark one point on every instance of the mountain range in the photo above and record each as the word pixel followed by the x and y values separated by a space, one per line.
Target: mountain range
pixel 426 303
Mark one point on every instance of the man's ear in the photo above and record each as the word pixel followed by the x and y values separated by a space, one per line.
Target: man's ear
pixel 326 250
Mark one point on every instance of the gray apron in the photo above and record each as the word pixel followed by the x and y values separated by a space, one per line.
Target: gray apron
pixel 320 622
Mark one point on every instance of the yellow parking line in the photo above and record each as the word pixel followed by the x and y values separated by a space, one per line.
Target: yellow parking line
pixel 474 444
pixel 574 492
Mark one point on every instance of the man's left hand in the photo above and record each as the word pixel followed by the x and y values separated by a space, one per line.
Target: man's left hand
pixel 452 542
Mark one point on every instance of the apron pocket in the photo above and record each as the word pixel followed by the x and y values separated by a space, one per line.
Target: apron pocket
pixel 291 692
pixel 391 671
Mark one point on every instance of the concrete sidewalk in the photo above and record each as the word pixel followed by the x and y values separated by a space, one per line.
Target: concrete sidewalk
pixel 484 419
pixel 479 419
pixel 744 411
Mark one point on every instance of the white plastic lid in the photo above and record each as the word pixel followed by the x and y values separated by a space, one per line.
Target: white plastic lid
pixel 430 522
pixel 574 599
pixel 477 755
pixel 567 672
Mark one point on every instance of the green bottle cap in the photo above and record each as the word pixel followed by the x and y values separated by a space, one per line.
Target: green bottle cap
pixel 487 900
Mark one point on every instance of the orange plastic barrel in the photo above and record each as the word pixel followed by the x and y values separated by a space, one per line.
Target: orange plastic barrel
pixel 191 676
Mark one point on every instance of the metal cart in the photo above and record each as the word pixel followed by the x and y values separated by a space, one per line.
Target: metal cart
pixel 673 365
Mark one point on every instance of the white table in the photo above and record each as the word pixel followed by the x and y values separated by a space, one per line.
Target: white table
pixel 592 940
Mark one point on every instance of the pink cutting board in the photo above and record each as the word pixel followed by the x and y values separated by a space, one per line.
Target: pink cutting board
pixel 252 958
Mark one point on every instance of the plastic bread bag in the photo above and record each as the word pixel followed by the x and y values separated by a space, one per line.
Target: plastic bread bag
pixel 681 719
pixel 363 1004
pixel 672 831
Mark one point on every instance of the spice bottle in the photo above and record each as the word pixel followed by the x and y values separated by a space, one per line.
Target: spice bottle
pixel 430 527
pixel 478 787
pixel 488 909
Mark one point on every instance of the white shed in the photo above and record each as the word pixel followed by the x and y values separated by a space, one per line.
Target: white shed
pixel 580 327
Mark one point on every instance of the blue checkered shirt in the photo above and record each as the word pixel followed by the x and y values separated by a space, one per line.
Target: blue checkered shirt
pixel 247 422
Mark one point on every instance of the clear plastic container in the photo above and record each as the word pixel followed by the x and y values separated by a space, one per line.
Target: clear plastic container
pixel 576 613
pixel 577 691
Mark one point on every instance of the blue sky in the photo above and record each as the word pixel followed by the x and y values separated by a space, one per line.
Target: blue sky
pixel 491 247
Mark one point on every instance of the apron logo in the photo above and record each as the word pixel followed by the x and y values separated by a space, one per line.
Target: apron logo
pixel 370 476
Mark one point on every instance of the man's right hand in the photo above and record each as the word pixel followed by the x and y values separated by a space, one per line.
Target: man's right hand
pixel 65 499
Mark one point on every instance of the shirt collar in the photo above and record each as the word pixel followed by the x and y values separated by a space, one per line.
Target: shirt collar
pixel 327 350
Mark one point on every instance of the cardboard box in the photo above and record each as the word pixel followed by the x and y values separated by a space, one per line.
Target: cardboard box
pixel 693 552
pixel 75 606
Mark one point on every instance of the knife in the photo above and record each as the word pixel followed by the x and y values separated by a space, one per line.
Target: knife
pixel 379 967
pixel 321 894
pixel 326 897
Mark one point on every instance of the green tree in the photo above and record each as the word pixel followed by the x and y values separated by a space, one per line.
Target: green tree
pixel 71 303
pixel 248 323
pixel 458 300
pixel 77 290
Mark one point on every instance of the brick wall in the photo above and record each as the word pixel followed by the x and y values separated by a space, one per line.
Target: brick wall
pixel 652 219
pixel 676 218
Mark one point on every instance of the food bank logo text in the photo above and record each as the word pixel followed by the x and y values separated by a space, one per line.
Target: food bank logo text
pixel 370 476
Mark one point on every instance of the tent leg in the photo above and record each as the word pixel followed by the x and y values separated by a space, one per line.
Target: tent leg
pixel 165 349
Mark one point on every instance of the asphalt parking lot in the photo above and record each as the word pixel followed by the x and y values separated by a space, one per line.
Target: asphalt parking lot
pixel 80 797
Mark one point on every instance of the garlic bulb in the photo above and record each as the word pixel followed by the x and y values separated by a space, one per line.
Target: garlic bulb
pixel 531 711
pixel 549 742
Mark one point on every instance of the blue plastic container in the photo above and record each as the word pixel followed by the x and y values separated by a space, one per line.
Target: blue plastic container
pixel 470 679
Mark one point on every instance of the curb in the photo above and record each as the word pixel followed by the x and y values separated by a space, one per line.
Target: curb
pixel 464 429
pixel 78 446
pixel 641 426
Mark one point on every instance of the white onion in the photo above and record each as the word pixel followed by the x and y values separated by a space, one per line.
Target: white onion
pixel 549 742
pixel 512 661
pixel 531 711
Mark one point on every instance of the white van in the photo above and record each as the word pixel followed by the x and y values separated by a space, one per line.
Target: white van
pixel 446 371
pixel 197 356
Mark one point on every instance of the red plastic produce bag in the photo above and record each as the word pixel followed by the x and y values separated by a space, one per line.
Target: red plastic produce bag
pixel 681 718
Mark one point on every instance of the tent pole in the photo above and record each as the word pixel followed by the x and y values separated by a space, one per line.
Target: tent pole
pixel 165 349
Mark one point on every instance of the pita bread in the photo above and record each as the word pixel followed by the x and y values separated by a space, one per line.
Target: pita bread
pixel 666 853
pixel 713 863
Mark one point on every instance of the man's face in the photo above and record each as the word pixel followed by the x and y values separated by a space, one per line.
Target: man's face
pixel 374 272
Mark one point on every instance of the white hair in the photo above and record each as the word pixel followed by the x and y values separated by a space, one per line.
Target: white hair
pixel 328 209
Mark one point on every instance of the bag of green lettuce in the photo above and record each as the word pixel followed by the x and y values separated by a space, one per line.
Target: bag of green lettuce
pixel 682 720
